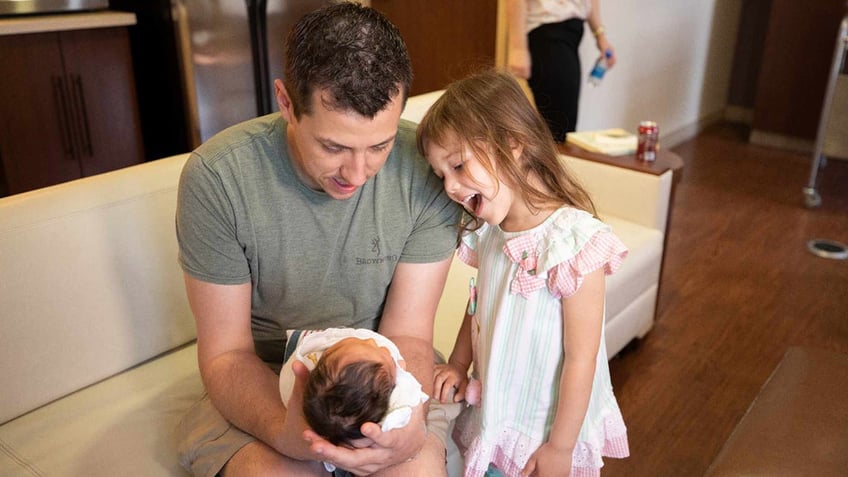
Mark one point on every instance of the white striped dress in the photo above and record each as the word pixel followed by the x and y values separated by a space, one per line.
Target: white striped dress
pixel 519 339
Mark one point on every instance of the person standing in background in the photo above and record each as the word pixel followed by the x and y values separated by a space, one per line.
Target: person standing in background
pixel 543 38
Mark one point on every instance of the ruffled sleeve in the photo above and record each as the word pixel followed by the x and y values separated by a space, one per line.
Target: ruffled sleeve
pixel 467 251
pixel 576 245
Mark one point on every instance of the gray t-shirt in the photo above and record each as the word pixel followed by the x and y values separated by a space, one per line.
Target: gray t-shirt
pixel 314 262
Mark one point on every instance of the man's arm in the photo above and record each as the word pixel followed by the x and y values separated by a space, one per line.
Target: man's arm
pixel 410 312
pixel 241 386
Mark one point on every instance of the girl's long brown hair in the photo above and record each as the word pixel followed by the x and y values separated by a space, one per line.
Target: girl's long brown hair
pixel 489 112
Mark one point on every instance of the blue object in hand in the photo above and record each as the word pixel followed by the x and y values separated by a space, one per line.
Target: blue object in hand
pixel 600 68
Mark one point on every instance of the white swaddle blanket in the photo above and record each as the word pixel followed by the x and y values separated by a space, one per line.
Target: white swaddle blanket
pixel 406 395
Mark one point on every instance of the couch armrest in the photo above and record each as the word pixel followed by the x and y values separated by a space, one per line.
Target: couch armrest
pixel 639 197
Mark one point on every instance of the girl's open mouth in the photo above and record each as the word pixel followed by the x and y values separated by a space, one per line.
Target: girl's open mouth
pixel 472 203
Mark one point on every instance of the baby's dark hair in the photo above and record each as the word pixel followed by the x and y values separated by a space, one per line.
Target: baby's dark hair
pixel 337 401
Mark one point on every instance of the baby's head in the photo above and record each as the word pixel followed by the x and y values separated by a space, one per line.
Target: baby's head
pixel 349 386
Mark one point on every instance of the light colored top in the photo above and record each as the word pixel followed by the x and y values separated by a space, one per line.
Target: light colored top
pixel 63 22
pixel 521 279
pixel 540 12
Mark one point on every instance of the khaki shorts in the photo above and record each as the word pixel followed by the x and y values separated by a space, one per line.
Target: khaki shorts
pixel 207 441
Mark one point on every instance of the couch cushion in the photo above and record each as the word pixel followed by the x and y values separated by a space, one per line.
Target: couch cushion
pixel 639 271
pixel 121 426
pixel 89 282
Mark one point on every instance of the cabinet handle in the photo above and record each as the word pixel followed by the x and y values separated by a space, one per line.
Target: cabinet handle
pixel 61 102
pixel 179 16
pixel 81 111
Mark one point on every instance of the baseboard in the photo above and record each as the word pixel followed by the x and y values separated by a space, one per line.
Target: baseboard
pixel 739 114
pixel 780 141
pixel 687 132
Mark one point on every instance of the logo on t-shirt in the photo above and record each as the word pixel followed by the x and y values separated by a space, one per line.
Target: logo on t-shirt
pixel 377 259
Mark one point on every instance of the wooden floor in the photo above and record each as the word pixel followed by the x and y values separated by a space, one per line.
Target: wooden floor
pixel 738 288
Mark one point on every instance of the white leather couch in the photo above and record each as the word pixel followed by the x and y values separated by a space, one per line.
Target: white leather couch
pixel 97 359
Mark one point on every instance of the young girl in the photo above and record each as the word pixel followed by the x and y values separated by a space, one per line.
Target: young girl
pixel 535 334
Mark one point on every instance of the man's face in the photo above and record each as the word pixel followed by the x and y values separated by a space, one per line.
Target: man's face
pixel 338 151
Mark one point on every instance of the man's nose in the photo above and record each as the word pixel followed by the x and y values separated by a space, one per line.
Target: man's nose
pixel 355 170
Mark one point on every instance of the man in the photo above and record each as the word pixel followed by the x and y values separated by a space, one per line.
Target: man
pixel 321 216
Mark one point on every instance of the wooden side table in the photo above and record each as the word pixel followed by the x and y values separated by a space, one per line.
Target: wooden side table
pixel 666 160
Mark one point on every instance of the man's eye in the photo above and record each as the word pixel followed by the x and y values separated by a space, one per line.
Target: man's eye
pixel 333 149
pixel 380 148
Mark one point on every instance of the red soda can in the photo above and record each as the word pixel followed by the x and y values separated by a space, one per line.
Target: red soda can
pixel 649 134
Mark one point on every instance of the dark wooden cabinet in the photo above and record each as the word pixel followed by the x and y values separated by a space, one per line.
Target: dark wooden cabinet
pixel 796 60
pixel 68 106
pixel 447 39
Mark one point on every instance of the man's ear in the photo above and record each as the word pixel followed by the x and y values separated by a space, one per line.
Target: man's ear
pixel 284 101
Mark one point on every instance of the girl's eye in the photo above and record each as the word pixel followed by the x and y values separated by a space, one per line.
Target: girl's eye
pixel 457 167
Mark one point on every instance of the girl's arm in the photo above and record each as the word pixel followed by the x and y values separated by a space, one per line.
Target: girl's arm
pixel 452 378
pixel 583 319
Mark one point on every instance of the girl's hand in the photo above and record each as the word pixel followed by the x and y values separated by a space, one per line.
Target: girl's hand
pixel 449 383
pixel 548 461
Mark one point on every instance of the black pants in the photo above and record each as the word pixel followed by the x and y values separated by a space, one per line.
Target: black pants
pixel 555 76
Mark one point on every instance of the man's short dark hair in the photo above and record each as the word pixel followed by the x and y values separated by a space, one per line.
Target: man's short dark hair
pixel 337 402
pixel 352 52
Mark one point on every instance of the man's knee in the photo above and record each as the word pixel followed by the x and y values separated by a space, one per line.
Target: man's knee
pixel 430 462
pixel 257 459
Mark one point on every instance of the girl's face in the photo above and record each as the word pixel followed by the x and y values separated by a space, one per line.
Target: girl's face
pixel 470 184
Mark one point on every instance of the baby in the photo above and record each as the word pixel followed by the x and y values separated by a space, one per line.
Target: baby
pixel 355 376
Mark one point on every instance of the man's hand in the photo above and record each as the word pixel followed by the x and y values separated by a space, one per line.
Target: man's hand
pixel 292 438
pixel 389 448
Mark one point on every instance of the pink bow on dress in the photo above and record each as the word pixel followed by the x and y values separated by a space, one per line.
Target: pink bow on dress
pixel 522 250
